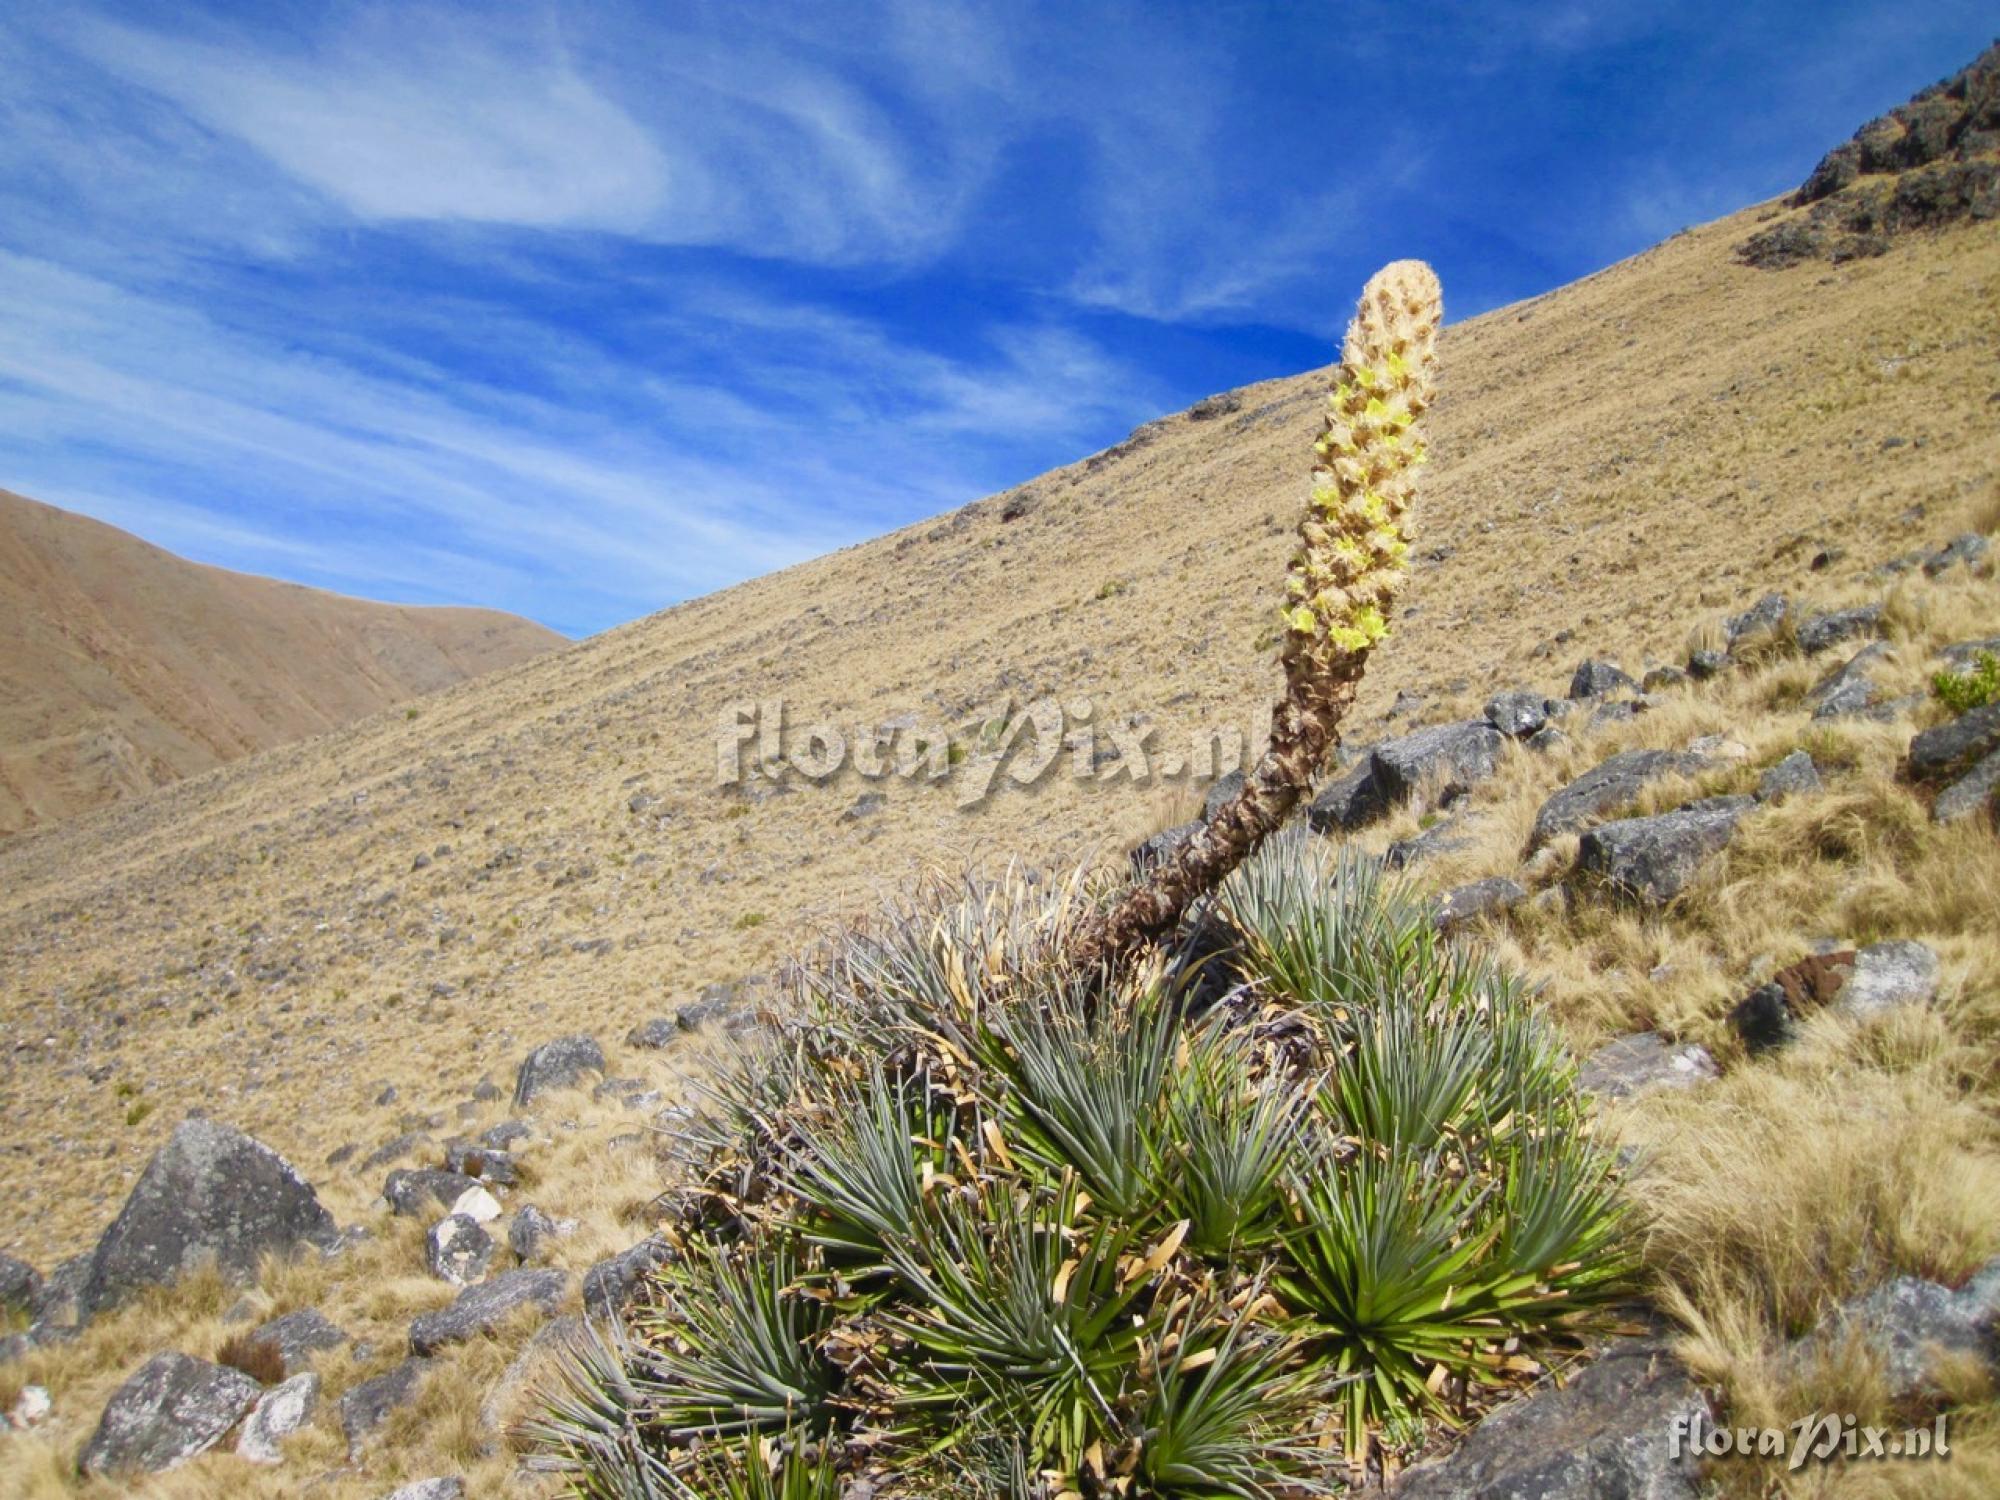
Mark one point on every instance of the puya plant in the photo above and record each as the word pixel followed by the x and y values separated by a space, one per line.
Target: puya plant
pixel 1013 1208
pixel 1339 590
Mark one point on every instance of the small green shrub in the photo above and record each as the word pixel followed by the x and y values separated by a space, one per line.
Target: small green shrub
pixel 748 920
pixel 137 1113
pixel 1961 692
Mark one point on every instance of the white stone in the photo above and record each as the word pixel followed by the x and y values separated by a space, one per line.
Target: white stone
pixel 31 1408
pixel 478 1205
pixel 280 1412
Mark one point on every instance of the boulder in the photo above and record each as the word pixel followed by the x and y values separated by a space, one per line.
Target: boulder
pixel 300 1335
pixel 1888 975
pixel 1822 631
pixel 367 1406
pixel 1794 776
pixel 457 1250
pixel 57 1303
pixel 1441 762
pixel 1221 793
pixel 1848 690
pixel 483 1306
pixel 506 1135
pixel 1971 793
pixel 210 1194
pixel 1642 1061
pixel 1445 836
pixel 1599 679
pixel 1757 624
pixel 1607 787
pixel 1704 664
pixel 1911 1325
pixel 1963 656
pixel 1481 898
pixel 394 1151
pixel 175 1408
pixel 417 1190
pixel 1606 1433
pixel 20 1284
pixel 280 1412
pixel 653 1035
pixel 1517 713
pixel 612 1282
pixel 1352 800
pixel 476 1204
pixel 1967 547
pixel 561 1064
pixel 1651 860
pixel 1659 679
pixel 532 1231
pixel 1936 753
pixel 446 1487
pixel 1161 847
pixel 482 1163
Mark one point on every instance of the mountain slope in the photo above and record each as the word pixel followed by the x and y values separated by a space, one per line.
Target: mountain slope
pixel 123 667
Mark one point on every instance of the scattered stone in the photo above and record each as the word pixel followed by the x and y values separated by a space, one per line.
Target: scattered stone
pixel 610 1284
pixel 1769 1015
pixel 506 1135
pixel 631 1093
pixel 1161 846
pixel 1936 753
pixel 1603 1434
pixel 483 1163
pixel 481 1307
pixel 1757 624
pixel 1224 790
pixel 1445 836
pixel 457 1250
pixel 1912 1325
pixel 1482 898
pixel 341 1154
pixel 867 805
pixel 1351 800
pixel 394 1151
pixel 20 1284
pixel 1641 1061
pixel 210 1194
pixel 1967 548
pixel 486 1090
pixel 31 1408
pixel 1546 740
pixel 1848 690
pixel 654 1035
pixel 1599 679
pixel 1651 860
pixel 476 1204
pixel 1886 975
pixel 1830 629
pixel 531 1231
pixel 516 1386
pixel 388 1095
pixel 280 1412
pixel 173 1409
pixel 1621 711
pixel 298 1336
pixel 417 1190
pixel 59 1303
pixel 1517 713
pixel 1714 747
pixel 560 1064
pixel 1440 763
pixel 367 1406
pixel 1794 776
pixel 1659 679
pixel 1977 789
pixel 1706 663
pixel 1963 656
pixel 449 1487
pixel 1606 787
pixel 713 1004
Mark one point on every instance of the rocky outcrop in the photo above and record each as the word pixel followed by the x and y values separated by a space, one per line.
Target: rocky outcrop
pixel 173 1409
pixel 1651 860
pixel 211 1194
pixel 1607 787
pixel 562 1064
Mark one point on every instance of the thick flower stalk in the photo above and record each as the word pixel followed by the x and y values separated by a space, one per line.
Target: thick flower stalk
pixel 1350 563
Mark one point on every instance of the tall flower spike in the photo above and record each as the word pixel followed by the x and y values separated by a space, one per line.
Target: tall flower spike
pixel 1353 542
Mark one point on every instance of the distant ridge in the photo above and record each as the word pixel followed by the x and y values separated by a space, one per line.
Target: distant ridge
pixel 123 667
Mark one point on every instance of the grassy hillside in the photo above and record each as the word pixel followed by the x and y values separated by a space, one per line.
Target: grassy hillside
pixel 124 668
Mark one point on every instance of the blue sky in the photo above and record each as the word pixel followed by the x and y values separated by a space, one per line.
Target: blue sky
pixel 578 310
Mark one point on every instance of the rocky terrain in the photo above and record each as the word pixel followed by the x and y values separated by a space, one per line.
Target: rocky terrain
pixel 1658 725
pixel 124 668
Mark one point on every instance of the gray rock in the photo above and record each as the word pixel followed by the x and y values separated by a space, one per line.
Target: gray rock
pixel 1481 898
pixel 631 1093
pixel 486 1091
pixel 1704 664
pixel 367 1406
pixel 1967 548
pixel 1225 789
pixel 396 1150
pixel 1604 1436
pixel 561 1064
pixel 1546 739
pixel 1888 975
pixel 1757 623
pixel 417 1190
pixel 280 1412
pixel 1517 713
pixel 485 1163
pixel 1351 800
pixel 1651 860
pixel 1642 1061
pixel 448 1487
pixel 515 1386
pixel 1971 793
pixel 1439 763
pixel 1445 836
pixel 1848 690
pixel 175 1408
pixel 653 1035
pixel 20 1284
pixel 299 1336
pixel 1822 631
pixel 58 1301
pixel 1964 655
pixel 1599 679
pixel 1162 846
pixel 506 1135
pixel 1659 679
pixel 611 1283
pixel 531 1232
pixel 210 1194
pixel 1607 787
pixel 457 1250
pixel 714 1004
pixel 1936 753
pixel 1622 711
pixel 481 1307
pixel 1794 776
pixel 1912 1324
